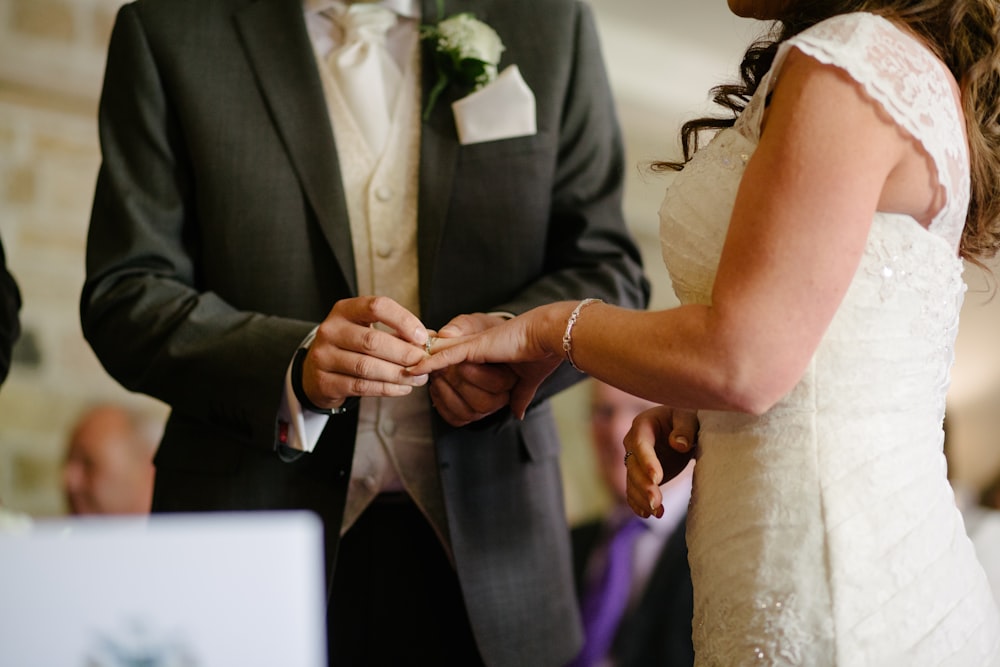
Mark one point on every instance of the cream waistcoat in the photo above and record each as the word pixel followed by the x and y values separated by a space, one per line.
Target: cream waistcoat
pixel 394 448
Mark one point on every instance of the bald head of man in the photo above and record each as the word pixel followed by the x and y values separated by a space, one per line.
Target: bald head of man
pixel 108 467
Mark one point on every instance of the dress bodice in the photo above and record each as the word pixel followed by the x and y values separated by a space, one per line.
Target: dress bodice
pixel 894 70
pixel 818 528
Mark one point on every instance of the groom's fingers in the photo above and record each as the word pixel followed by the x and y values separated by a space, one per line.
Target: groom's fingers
pixel 449 404
pixel 371 326
pixel 362 348
pixel 460 402
pixel 336 340
pixel 485 378
pixel 368 310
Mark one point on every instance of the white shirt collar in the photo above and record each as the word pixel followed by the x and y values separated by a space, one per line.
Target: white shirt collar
pixel 408 8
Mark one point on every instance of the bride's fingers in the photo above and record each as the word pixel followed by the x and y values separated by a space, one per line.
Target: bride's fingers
pixel 521 396
pixel 644 499
pixel 685 430
pixel 641 440
pixel 444 353
pixel 643 475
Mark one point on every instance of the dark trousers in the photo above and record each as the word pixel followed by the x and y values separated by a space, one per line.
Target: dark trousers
pixel 396 599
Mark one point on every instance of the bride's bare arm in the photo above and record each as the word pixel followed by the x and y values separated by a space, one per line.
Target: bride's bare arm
pixel 801 219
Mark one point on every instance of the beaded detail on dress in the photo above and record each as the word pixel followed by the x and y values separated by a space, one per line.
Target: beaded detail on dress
pixel 824 532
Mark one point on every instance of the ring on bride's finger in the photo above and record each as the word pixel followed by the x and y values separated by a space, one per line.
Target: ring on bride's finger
pixel 429 343
pixel 628 454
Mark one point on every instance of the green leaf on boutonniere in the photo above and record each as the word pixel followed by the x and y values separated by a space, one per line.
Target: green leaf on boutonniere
pixel 465 50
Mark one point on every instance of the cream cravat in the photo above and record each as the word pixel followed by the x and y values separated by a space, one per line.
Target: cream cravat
pixel 368 77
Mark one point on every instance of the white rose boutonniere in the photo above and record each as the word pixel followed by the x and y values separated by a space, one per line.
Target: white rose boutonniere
pixel 466 51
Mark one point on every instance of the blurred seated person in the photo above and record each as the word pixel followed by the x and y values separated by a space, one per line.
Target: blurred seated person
pixel 109 461
pixel 654 625
pixel 10 324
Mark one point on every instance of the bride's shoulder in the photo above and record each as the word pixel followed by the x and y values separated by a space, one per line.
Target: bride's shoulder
pixel 848 25
pixel 889 63
pixel 861 35
pixel 876 52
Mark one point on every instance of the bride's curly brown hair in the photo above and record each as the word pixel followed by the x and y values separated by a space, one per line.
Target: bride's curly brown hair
pixel 964 34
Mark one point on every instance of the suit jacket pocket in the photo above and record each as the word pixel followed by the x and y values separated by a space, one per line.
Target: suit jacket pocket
pixel 502 148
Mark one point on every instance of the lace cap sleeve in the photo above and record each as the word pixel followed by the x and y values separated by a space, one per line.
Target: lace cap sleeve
pixel 904 77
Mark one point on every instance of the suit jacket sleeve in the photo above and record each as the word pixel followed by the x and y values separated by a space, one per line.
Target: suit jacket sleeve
pixel 158 318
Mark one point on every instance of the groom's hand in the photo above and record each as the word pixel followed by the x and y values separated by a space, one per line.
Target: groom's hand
pixel 363 348
pixel 468 392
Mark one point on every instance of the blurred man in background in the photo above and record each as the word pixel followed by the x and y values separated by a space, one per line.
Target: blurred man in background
pixel 646 621
pixel 10 324
pixel 109 462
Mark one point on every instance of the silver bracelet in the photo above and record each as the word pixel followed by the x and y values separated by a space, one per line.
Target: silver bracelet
pixel 568 334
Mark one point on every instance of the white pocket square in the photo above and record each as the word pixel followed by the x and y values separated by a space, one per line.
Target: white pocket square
pixel 502 109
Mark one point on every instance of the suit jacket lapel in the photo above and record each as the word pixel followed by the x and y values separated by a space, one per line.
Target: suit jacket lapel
pixel 438 154
pixel 281 54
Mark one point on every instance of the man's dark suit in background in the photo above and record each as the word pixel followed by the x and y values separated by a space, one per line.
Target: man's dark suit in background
pixel 655 628
pixel 220 238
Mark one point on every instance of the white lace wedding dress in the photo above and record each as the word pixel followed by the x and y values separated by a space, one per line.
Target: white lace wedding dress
pixel 825 532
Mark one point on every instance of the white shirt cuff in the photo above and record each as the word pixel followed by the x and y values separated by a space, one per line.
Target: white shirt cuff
pixel 298 429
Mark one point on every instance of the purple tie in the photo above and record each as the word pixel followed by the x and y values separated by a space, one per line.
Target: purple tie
pixel 605 600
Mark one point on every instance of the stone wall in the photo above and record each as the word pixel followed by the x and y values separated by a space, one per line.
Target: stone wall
pixel 51 64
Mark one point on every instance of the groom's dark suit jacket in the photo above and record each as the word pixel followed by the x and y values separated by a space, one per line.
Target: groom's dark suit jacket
pixel 219 238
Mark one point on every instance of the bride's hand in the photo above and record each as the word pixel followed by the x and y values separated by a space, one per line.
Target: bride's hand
pixel 468 392
pixel 520 342
pixel 658 447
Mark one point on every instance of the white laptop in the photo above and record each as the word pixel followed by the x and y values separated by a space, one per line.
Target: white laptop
pixel 186 590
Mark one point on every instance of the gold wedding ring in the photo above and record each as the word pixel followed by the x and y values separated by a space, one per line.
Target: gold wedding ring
pixel 429 343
